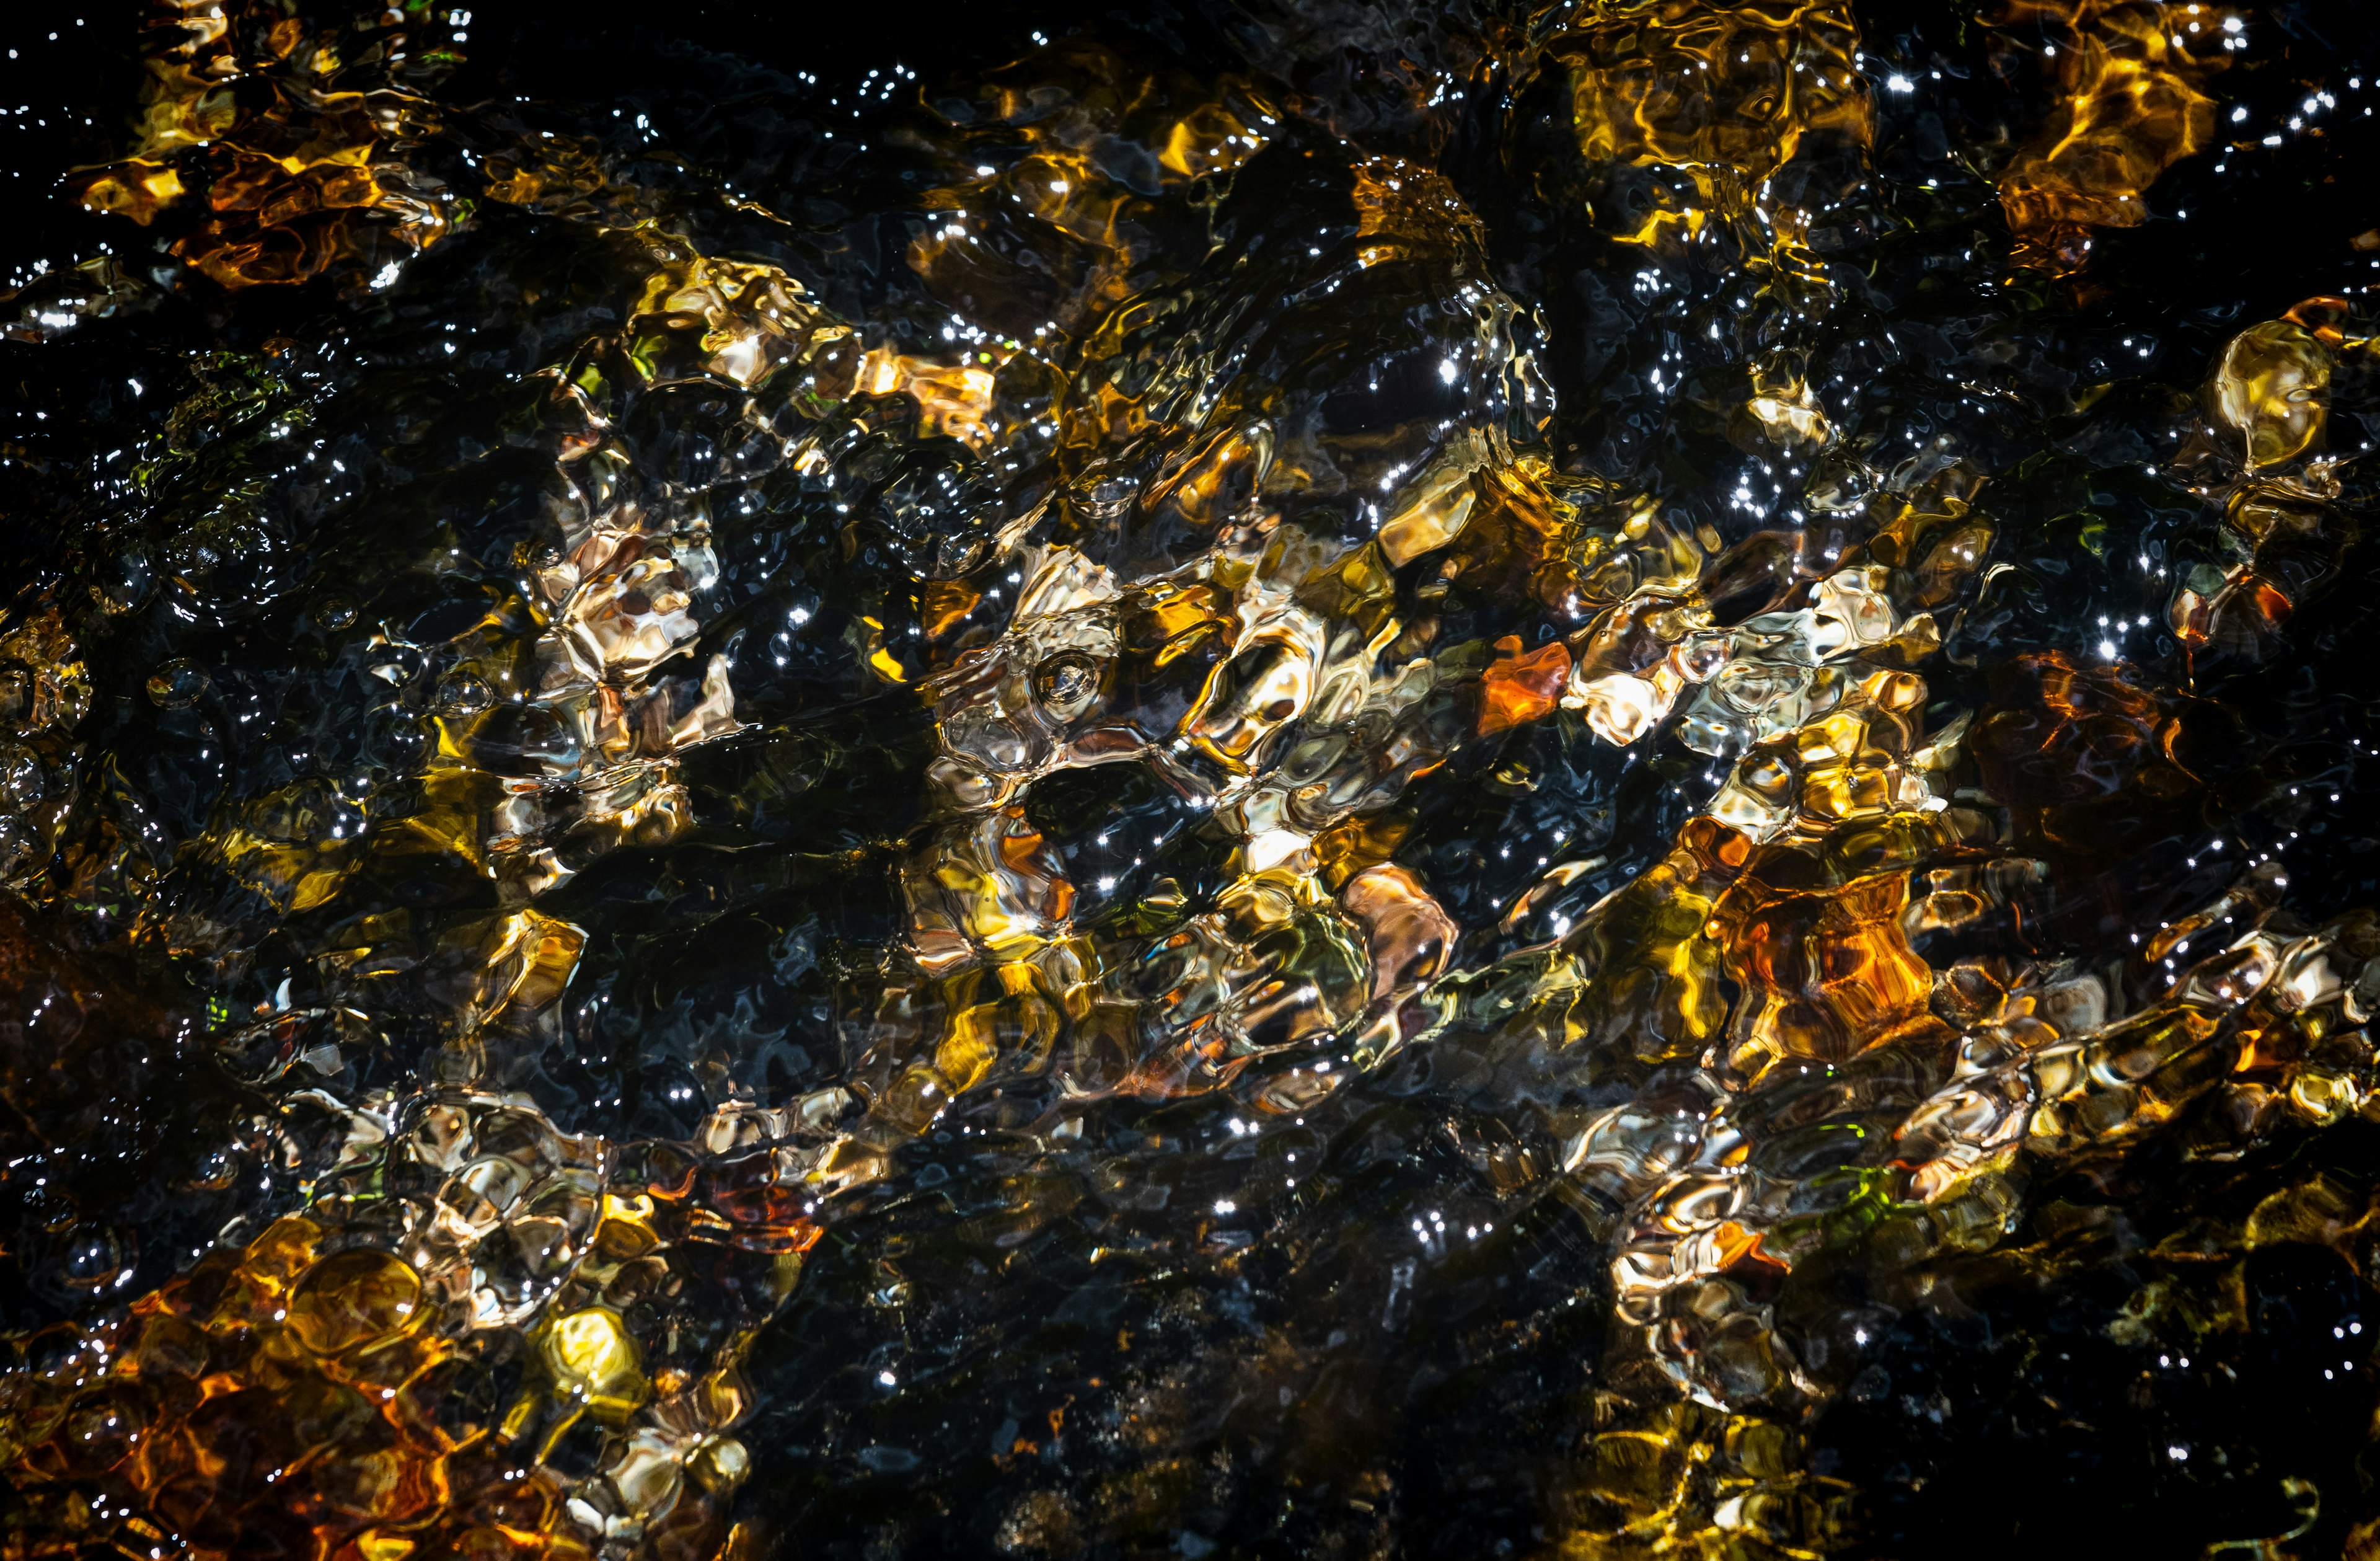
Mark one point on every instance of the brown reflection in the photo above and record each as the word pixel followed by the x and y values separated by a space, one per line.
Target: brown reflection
pixel 1055 230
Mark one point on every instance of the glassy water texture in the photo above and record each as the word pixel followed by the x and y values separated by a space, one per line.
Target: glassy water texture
pixel 1278 779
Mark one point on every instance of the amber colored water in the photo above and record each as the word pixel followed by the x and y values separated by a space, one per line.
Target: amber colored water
pixel 1262 779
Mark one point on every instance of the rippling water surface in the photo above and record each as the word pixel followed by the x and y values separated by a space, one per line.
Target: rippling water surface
pixel 1265 777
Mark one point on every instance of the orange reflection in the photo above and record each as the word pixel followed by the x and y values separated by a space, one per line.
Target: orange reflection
pixel 295 137
pixel 1826 969
pixel 277 1398
pixel 1521 686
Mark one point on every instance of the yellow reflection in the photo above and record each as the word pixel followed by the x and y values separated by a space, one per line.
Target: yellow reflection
pixel 1715 99
pixel 2128 108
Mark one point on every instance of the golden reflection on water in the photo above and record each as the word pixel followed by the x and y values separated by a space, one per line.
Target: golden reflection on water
pixel 1184 597
pixel 2128 106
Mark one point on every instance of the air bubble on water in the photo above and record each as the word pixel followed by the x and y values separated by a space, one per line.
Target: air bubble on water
pixel 125 580
pixel 24 780
pixel 176 684
pixel 464 693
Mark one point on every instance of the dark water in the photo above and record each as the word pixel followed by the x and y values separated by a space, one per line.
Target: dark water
pixel 1275 779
